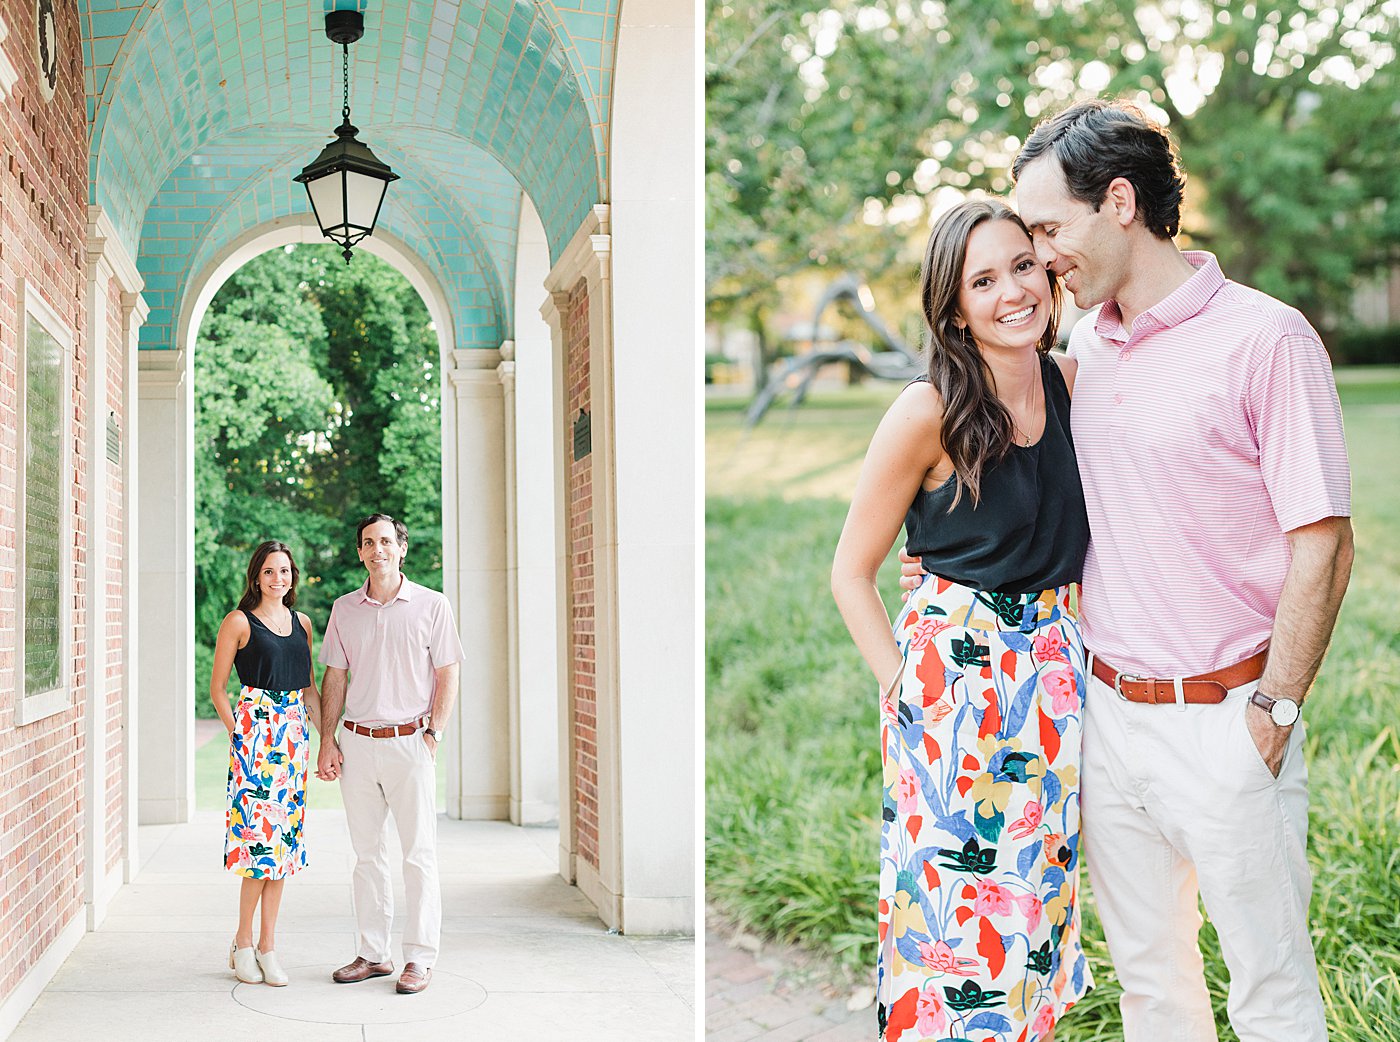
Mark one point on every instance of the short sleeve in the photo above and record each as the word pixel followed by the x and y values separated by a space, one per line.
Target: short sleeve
pixel 444 644
pixel 1291 401
pixel 332 647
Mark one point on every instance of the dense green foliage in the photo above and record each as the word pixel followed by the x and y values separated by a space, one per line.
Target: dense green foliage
pixel 316 403
pixel 834 126
pixel 792 756
pixel 1378 346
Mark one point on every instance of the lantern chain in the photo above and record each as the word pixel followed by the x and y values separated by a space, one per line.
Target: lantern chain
pixel 345 80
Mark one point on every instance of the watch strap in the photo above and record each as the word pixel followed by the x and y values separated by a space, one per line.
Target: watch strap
pixel 1267 704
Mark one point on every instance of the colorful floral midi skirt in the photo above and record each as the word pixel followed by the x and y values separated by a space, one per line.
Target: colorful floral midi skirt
pixel 268 756
pixel 979 845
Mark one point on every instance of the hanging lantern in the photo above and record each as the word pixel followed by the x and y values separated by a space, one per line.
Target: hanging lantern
pixel 346 183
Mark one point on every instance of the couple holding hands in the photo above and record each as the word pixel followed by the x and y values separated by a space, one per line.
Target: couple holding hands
pixel 391 655
pixel 1199 488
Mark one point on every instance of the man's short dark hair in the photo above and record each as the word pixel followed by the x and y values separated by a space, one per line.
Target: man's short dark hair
pixel 1097 141
pixel 400 529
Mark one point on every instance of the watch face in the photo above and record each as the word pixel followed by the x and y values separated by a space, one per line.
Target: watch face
pixel 1285 712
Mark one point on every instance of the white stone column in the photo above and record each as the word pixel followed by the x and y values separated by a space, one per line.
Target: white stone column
pixel 541 564
pixel 478 777
pixel 588 257
pixel 505 373
pixel 552 313
pixel 654 374
pixel 107 261
pixel 95 891
pixel 165 605
pixel 134 312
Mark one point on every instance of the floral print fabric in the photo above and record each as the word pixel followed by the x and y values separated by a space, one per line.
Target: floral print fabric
pixel 269 751
pixel 979 846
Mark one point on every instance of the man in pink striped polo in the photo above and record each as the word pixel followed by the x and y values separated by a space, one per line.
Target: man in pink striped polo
pixel 1209 441
pixel 392 658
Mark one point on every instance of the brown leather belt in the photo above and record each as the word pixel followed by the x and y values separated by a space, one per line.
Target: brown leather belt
pixel 1204 689
pixel 388 731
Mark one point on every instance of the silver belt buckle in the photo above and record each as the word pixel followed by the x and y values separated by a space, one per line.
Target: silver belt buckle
pixel 1118 683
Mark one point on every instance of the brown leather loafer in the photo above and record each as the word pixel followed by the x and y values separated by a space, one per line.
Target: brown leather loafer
pixel 414 979
pixel 361 969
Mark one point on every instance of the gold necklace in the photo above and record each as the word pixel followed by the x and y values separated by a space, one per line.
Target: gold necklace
pixel 1021 437
pixel 287 622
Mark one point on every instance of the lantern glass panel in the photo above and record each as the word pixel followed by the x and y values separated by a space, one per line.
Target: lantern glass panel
pixel 328 200
pixel 365 193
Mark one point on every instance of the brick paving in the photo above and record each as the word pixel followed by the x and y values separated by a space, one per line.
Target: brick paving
pixel 759 998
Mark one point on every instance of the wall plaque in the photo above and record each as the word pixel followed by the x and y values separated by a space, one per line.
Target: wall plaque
pixel 43 498
pixel 583 436
pixel 114 439
pixel 46 47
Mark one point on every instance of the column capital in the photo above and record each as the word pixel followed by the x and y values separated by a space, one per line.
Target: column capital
pixel 134 308
pixel 106 253
pixel 468 358
pixel 505 372
pixel 553 307
pixel 587 256
pixel 99 267
pixel 159 372
pixel 474 372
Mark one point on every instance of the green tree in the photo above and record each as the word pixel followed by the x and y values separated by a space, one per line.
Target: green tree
pixel 385 450
pixel 316 402
pixel 834 128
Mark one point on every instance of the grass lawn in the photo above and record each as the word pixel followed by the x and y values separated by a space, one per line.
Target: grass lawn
pixel 792 764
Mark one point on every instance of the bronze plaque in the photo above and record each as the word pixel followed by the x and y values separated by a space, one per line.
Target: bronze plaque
pixel 583 436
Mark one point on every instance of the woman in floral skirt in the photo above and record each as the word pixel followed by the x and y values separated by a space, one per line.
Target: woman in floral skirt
pixel 269 749
pixel 982 678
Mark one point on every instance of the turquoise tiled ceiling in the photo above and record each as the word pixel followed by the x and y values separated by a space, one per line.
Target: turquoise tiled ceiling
pixel 202 112
pixel 245 181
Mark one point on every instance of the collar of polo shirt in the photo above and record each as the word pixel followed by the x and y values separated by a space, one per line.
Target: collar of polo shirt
pixel 404 593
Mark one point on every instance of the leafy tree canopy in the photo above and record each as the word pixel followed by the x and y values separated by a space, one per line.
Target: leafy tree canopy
pixel 316 403
pixel 836 128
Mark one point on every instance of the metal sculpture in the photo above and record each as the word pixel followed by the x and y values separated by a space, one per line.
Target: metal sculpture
pixel 897 361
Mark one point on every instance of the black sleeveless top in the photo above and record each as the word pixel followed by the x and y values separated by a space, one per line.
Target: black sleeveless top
pixel 1030 529
pixel 273 662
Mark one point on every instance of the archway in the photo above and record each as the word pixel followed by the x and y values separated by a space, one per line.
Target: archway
pixel 501 760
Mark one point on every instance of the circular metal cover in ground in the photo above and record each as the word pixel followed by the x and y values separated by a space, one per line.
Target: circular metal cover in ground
pixel 313 996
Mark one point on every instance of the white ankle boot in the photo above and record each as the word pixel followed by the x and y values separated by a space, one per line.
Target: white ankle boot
pixel 244 963
pixel 272 972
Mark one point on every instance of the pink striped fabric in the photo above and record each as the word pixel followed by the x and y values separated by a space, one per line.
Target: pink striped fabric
pixel 1203 435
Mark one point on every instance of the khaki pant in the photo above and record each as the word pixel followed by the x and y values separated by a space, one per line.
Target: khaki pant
pixel 380 777
pixel 1177 801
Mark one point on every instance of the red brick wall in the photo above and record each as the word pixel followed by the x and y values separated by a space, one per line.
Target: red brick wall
pixel 579 516
pixel 43 204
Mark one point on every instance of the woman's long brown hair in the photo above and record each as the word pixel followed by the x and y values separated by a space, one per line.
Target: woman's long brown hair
pixel 251 597
pixel 977 428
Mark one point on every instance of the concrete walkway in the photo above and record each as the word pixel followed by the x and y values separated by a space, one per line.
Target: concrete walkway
pixel 523 955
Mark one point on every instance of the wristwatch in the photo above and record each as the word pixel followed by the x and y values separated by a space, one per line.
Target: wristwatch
pixel 1283 711
pixel 437 735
